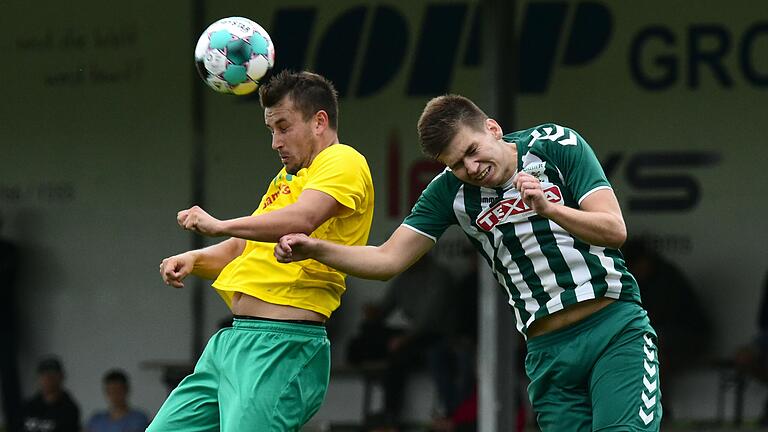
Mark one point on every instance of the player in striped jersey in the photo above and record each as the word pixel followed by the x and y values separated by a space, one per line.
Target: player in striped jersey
pixel 538 207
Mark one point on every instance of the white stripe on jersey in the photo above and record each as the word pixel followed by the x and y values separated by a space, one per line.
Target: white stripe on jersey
pixel 512 270
pixel 524 233
pixel 575 262
pixel 431 237
pixel 494 247
pixel 516 276
pixel 593 191
pixel 466 224
pixel 613 278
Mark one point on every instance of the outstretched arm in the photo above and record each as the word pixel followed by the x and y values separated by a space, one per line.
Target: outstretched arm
pixel 403 248
pixel 310 210
pixel 598 221
pixel 206 263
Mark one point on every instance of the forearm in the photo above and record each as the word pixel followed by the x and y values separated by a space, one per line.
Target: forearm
pixel 366 262
pixel 211 260
pixel 267 227
pixel 403 248
pixel 593 227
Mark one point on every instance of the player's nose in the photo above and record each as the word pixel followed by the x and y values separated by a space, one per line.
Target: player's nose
pixel 473 166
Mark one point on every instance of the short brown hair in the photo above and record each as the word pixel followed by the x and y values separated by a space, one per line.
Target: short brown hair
pixel 309 92
pixel 116 375
pixel 440 121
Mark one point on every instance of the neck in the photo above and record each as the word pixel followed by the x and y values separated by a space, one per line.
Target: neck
pixel 118 411
pixel 511 149
pixel 325 142
pixel 52 396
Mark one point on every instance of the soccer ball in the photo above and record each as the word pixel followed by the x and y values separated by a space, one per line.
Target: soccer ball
pixel 233 54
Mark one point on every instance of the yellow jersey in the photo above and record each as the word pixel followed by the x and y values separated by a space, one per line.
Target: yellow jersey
pixel 341 172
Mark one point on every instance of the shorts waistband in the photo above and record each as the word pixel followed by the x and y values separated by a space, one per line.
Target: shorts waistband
pixel 308 322
pixel 569 332
pixel 307 328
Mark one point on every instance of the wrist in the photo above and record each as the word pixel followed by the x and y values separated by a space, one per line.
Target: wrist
pixel 194 256
pixel 547 210
pixel 315 249
pixel 220 228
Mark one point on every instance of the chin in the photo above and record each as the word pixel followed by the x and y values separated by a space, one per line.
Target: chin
pixel 487 182
pixel 291 169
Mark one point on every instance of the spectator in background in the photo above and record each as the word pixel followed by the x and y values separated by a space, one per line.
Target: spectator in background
pixel 9 371
pixel 683 327
pixel 438 334
pixel 119 416
pixel 51 409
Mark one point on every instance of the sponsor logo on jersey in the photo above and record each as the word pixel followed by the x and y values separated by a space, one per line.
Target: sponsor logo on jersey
pixel 535 169
pixel 283 189
pixel 512 209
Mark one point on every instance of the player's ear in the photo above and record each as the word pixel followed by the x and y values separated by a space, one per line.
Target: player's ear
pixel 320 121
pixel 494 128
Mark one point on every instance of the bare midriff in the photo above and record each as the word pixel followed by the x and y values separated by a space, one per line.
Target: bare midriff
pixel 567 316
pixel 244 304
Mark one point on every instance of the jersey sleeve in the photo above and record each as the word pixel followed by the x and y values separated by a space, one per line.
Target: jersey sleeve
pixel 579 167
pixel 433 212
pixel 344 175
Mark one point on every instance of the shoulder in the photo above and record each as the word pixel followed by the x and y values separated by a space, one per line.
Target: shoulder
pixel 69 401
pixel 544 135
pixel 98 417
pixel 445 181
pixel 33 402
pixel 338 156
pixel 341 151
pixel 138 416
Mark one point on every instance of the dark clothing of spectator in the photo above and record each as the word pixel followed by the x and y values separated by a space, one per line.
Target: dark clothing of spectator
pixel 63 415
pixel 9 375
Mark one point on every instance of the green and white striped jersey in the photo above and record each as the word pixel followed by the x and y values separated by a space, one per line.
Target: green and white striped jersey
pixel 542 267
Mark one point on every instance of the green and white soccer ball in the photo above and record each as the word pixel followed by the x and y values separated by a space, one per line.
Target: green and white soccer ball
pixel 233 55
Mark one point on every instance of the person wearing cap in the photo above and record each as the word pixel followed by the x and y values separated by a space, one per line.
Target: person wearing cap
pixel 52 408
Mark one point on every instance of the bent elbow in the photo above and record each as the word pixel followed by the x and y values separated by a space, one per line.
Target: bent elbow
pixel 305 227
pixel 618 237
pixel 382 271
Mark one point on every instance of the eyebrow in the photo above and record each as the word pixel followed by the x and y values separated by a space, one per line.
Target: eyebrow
pixel 277 122
pixel 471 145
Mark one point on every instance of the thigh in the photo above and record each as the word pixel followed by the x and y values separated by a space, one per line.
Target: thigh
pixel 272 379
pixel 193 406
pixel 558 393
pixel 304 394
pixel 625 386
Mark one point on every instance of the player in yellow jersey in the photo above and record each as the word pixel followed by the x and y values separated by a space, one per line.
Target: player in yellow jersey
pixel 269 372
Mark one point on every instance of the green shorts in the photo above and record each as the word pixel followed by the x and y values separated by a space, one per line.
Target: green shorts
pixel 256 376
pixel 599 374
